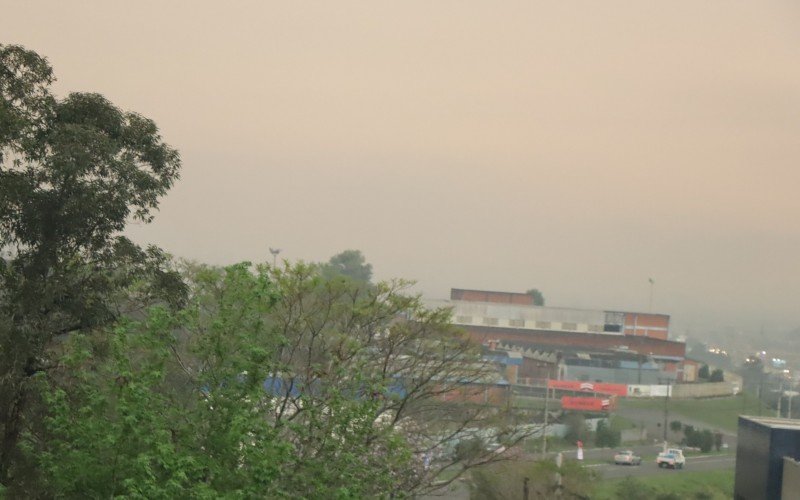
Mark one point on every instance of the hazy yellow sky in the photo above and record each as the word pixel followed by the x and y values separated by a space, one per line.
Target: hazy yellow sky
pixel 576 147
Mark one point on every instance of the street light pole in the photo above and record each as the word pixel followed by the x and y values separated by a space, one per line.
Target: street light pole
pixel 274 252
pixel 666 412
pixel 790 395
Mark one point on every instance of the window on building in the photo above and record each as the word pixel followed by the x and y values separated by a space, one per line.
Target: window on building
pixel 490 321
pixel 518 323
pixel 569 326
pixel 543 325
pixel 463 319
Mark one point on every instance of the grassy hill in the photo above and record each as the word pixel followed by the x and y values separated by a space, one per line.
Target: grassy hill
pixel 721 413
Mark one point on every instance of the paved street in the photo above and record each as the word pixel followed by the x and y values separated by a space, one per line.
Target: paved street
pixel 649 467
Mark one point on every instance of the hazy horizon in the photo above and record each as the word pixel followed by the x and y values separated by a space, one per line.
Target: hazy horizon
pixel 575 147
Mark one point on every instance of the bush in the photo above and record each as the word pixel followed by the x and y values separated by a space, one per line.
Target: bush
pixel 506 480
pixel 675 426
pixel 606 437
pixel 576 428
pixel 699 439
pixel 468 449
pixel 634 489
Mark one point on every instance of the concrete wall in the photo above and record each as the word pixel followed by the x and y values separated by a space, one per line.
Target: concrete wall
pixel 489 296
pixel 616 375
pixel 704 390
pixel 791 479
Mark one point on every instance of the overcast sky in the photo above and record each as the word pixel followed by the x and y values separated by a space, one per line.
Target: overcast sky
pixel 576 147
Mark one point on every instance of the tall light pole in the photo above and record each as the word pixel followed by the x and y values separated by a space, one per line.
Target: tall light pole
pixel 650 303
pixel 790 395
pixel 274 252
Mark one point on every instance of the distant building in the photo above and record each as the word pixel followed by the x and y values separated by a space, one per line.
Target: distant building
pixel 766 454
pixel 589 344
pixel 516 310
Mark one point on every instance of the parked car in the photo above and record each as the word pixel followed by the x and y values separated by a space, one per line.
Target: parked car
pixel 627 457
pixel 672 458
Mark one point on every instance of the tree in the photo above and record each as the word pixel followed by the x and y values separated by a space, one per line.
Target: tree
pixel 538 297
pixel 73 172
pixel 606 436
pixel 675 426
pixel 577 430
pixel 271 383
pixel 717 376
pixel 717 441
pixel 703 372
pixel 350 263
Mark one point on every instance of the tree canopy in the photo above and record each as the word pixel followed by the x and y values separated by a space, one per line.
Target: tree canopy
pixel 73 172
pixel 126 374
pixel 350 263
pixel 271 383
pixel 538 297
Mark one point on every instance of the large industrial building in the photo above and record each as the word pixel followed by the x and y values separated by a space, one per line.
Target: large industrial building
pixel 571 344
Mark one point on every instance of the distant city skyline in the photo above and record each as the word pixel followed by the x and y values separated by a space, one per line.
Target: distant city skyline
pixel 583 149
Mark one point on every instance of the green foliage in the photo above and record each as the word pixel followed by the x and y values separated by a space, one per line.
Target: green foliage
pixel 675 426
pixel 577 430
pixel 538 297
pixel 606 436
pixel 703 372
pixel 717 485
pixel 349 263
pixel 271 383
pixel 506 480
pixel 717 376
pixel 470 449
pixel 631 488
pixel 73 173
pixel 698 439
pixel 717 441
pixel 718 413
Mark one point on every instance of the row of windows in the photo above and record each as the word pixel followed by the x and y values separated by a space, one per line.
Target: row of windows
pixel 520 323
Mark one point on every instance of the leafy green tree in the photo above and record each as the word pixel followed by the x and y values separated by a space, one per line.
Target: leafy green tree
pixel 538 297
pixel 73 172
pixel 675 426
pixel 271 383
pixel 577 430
pixel 703 372
pixel 350 263
pixel 606 436
pixel 717 376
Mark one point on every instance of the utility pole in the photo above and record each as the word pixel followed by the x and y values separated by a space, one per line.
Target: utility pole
pixel 546 400
pixel 650 304
pixel 666 411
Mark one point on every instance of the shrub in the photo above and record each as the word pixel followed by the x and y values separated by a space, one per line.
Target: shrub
pixel 606 437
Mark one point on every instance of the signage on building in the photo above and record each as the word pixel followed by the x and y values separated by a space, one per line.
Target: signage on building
pixel 596 387
pixel 588 403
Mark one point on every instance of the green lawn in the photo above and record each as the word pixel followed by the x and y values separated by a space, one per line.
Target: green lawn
pixel 722 413
pixel 686 484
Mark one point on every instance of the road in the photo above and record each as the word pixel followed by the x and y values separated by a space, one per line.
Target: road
pixel 459 491
pixel 649 467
